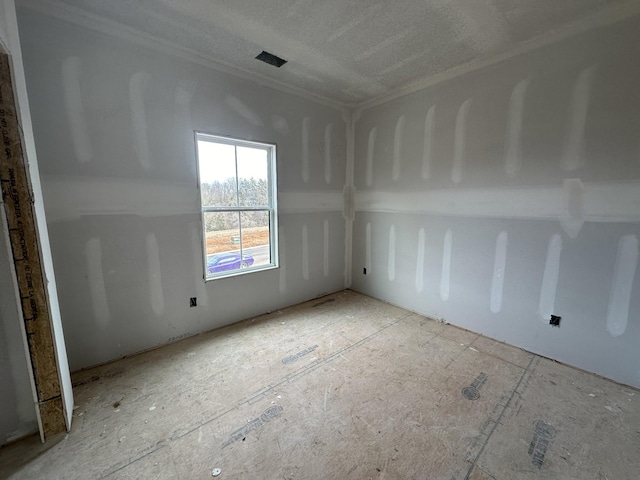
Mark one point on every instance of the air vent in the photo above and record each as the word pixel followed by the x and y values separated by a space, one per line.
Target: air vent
pixel 271 59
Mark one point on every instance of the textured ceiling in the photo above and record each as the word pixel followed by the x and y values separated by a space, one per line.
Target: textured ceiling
pixel 349 51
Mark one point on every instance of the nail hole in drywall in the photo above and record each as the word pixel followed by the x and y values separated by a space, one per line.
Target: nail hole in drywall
pixel 555 321
pixel 193 302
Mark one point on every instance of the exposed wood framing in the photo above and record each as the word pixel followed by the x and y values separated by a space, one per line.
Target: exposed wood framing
pixel 18 204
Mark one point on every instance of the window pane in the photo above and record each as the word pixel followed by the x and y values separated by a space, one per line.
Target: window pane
pixel 255 238
pixel 217 169
pixel 222 235
pixel 238 188
pixel 253 177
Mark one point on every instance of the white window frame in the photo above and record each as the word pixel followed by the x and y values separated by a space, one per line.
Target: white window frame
pixel 271 208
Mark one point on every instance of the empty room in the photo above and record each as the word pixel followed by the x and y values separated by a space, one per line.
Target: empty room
pixel 329 239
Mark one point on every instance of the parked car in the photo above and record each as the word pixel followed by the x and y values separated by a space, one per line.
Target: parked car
pixel 221 262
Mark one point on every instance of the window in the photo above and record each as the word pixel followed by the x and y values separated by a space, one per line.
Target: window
pixel 237 181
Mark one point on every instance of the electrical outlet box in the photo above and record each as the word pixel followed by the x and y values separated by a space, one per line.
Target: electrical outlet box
pixel 555 321
pixel 364 271
pixel 193 302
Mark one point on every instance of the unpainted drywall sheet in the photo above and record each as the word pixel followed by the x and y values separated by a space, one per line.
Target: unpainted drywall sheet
pixel 114 122
pixel 17 409
pixel 500 197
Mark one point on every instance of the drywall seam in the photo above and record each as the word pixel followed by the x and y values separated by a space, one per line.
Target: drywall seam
pixel 572 217
pixel 367 248
pixel 369 10
pixel 382 45
pixel 445 278
pixel 95 279
pixel 549 286
pixel 599 202
pixel 403 62
pixel 391 267
pixel 499 265
pixel 622 285
pixel 325 243
pixel 349 202
pixel 72 94
pixel 460 139
pixel 574 149
pixel 420 261
pixel 328 132
pixel 398 138
pixel 156 295
pixel 243 110
pixel 478 25
pixel 282 284
pixel 305 252
pixel 185 89
pixel 183 122
pixel 371 145
pixel 513 140
pixel 427 145
pixel 306 127
pixel 309 202
pixel 70 198
pixel 280 124
pixel 137 86
pixel 349 194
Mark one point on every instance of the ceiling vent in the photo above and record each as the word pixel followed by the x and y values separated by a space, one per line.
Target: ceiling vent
pixel 271 59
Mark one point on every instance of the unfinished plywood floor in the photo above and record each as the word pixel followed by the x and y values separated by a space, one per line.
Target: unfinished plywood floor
pixel 341 387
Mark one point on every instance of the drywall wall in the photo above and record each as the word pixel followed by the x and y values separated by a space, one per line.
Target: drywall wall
pixel 114 120
pixel 497 198
pixel 17 410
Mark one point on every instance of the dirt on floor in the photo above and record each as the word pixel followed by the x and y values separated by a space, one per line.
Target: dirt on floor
pixel 225 240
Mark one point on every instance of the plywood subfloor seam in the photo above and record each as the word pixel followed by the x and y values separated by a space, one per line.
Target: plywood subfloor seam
pixel 497 421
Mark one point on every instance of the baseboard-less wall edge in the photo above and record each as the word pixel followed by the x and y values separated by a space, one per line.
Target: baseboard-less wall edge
pixel 182 339
pixel 534 352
